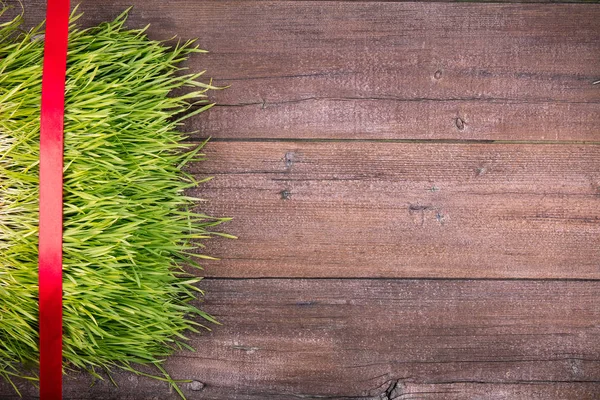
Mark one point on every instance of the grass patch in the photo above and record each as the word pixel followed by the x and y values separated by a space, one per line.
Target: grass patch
pixel 129 228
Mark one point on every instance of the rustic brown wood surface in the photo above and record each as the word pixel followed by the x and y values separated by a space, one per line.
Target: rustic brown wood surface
pixel 342 339
pixel 389 70
pixel 369 209
pixel 365 143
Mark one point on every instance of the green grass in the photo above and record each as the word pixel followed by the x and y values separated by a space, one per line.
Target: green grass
pixel 129 228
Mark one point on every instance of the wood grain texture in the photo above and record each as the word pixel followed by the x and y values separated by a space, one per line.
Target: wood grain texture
pixel 387 70
pixel 361 209
pixel 132 387
pixel 361 339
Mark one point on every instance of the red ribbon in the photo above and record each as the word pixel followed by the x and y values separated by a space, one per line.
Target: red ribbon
pixel 50 224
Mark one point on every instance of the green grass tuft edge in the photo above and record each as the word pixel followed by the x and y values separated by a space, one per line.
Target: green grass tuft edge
pixel 130 226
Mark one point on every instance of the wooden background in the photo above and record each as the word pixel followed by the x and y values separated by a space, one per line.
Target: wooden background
pixel 416 191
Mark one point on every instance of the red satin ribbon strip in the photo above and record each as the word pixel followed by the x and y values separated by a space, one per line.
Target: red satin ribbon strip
pixel 50 223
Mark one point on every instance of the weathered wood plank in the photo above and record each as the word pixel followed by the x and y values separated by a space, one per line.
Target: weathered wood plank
pixel 354 337
pixel 362 209
pixel 387 70
pixel 342 339
pixel 132 387
pixel 377 118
